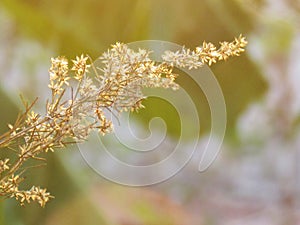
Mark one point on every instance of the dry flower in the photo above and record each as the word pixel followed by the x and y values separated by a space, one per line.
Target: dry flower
pixel 72 113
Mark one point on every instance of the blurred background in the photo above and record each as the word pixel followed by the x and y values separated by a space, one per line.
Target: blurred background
pixel 255 179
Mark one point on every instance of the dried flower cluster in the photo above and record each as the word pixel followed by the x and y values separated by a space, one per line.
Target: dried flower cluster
pixel 79 102
pixel 208 53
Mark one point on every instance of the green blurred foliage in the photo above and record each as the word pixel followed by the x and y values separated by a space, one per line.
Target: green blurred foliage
pixel 278 38
pixel 72 27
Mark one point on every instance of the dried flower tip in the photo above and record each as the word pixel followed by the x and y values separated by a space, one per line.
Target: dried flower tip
pixel 80 66
pixel 4 165
pixel 59 68
pixel 32 117
pixel 58 74
pixel 207 53
pixel 40 195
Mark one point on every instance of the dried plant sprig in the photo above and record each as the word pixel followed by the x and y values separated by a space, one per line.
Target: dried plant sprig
pixel 75 110
pixel 207 53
